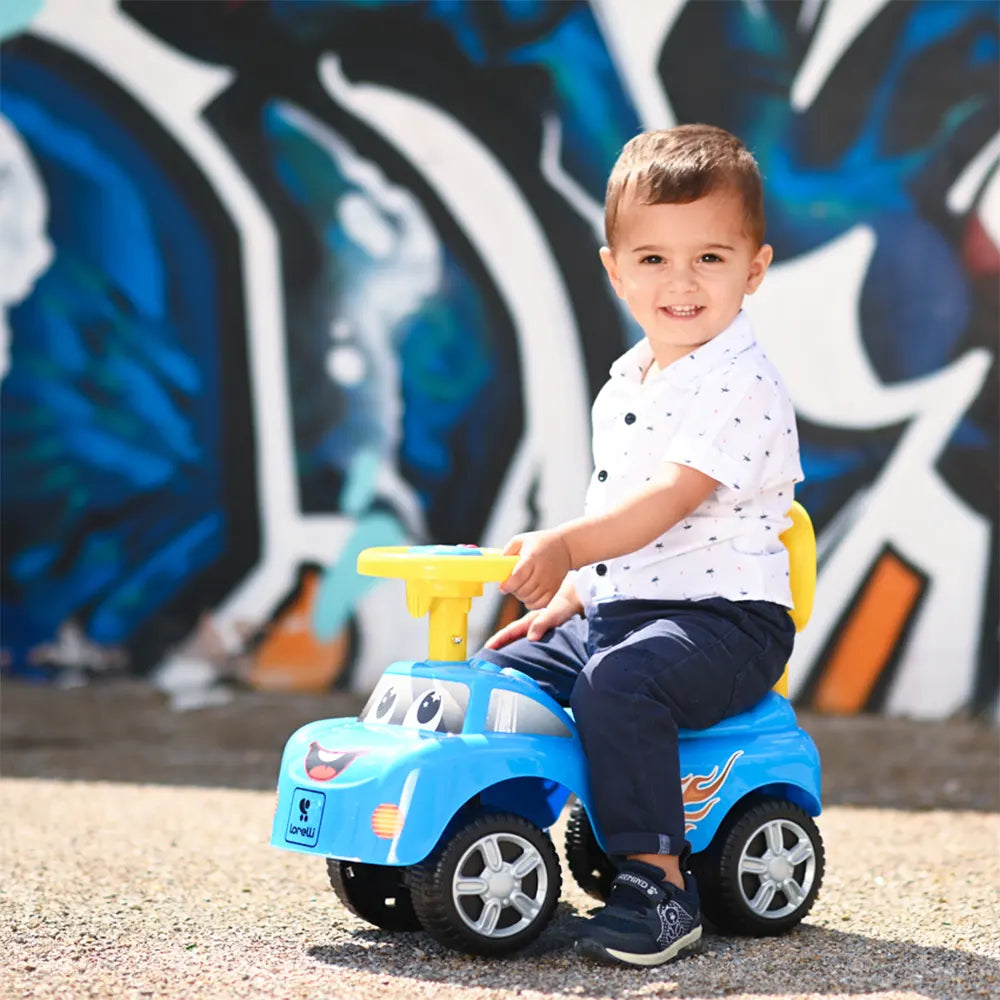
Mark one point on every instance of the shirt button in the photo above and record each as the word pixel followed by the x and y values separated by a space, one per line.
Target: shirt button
pixel 630 418
pixel 602 475
pixel 600 569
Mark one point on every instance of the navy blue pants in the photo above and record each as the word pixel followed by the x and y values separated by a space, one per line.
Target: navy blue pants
pixel 634 672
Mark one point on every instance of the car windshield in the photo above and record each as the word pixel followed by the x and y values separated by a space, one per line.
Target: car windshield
pixel 418 703
pixel 511 712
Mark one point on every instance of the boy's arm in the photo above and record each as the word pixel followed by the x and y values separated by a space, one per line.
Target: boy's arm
pixel 547 556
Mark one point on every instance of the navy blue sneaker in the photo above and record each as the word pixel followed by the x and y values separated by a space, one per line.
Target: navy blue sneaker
pixel 646 921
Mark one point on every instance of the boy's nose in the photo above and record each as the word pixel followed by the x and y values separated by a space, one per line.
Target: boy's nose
pixel 681 279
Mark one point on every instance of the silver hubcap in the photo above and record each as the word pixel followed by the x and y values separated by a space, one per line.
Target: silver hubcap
pixel 778 861
pixel 500 885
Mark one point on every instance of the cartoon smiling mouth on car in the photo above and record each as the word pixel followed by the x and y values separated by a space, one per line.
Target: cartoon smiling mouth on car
pixel 325 765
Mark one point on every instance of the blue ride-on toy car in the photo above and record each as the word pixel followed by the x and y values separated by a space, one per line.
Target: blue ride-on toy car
pixel 432 807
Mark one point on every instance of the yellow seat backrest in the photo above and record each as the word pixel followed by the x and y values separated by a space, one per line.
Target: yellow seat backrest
pixel 800 540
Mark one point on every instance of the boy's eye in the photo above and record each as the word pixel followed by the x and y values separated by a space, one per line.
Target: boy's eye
pixel 710 258
pixel 652 258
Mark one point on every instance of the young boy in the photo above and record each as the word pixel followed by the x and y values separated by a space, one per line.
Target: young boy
pixel 665 605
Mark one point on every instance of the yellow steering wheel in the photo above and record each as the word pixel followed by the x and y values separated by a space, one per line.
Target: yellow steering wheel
pixel 440 580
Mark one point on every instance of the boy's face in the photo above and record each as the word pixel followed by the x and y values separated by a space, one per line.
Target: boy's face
pixel 683 269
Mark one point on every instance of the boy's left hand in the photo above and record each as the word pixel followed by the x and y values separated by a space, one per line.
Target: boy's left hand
pixel 544 563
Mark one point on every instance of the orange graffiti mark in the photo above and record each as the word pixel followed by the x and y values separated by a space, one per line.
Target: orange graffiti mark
pixel 699 792
pixel 290 657
pixel 870 637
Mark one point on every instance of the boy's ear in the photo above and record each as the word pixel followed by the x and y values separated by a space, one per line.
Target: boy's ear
pixel 758 267
pixel 608 260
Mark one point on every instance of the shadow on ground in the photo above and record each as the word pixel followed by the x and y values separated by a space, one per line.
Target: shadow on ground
pixel 798 961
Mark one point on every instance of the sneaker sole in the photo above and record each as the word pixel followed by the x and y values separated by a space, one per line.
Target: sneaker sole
pixel 686 945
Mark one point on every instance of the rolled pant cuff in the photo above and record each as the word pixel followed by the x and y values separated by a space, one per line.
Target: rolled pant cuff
pixel 623 844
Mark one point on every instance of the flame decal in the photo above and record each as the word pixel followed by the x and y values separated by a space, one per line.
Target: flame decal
pixel 698 791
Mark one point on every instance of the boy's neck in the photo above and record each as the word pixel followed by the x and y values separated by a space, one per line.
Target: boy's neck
pixel 664 357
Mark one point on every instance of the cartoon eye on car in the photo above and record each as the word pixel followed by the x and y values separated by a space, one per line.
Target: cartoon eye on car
pixel 432 807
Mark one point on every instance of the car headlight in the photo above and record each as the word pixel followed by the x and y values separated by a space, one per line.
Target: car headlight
pixel 387 821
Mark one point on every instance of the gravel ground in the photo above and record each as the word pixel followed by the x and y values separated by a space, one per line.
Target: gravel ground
pixel 116 887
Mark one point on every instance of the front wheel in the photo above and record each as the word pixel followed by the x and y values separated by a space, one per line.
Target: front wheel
pixel 490 888
pixel 763 869
pixel 375 893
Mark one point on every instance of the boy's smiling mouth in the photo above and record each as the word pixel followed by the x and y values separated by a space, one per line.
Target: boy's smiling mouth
pixel 682 312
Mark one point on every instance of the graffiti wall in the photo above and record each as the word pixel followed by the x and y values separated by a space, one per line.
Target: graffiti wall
pixel 282 280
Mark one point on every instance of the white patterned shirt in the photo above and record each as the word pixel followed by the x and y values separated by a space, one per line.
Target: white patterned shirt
pixel 723 410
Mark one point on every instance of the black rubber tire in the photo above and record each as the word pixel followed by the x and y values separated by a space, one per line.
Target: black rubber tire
pixel 591 868
pixel 376 893
pixel 431 884
pixel 726 892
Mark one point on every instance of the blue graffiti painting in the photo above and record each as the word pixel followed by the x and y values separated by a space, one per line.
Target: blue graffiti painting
pixel 134 496
pixel 124 485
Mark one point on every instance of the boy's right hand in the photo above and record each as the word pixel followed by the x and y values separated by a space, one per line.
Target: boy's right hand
pixel 540 572
pixel 536 623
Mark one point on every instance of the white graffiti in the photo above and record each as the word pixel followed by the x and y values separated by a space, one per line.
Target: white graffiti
pixel 25 250
pixel 842 22
pixel 494 215
pixel 832 382
pixel 391 226
pixel 485 201
pixel 634 32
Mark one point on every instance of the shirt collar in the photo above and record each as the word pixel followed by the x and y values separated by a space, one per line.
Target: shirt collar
pixel 735 339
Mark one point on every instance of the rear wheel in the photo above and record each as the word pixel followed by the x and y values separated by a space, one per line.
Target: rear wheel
pixel 376 893
pixel 490 888
pixel 763 869
pixel 591 868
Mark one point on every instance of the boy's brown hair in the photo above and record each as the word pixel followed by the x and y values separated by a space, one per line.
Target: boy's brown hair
pixel 682 164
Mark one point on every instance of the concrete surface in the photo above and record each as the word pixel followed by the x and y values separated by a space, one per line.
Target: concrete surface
pixel 121 878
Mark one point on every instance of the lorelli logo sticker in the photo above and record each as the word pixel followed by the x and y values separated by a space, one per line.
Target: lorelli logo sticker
pixel 700 791
pixel 304 817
